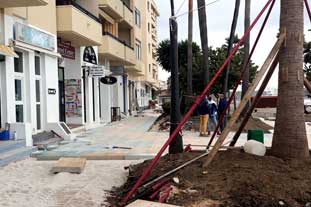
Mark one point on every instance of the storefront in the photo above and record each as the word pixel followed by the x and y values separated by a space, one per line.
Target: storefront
pixel 29 80
pixel 79 76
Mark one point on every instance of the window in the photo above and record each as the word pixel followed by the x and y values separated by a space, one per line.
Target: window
pixel 18 63
pixel 149 68
pixel 138 49
pixel 19 108
pixel 19 113
pixel 37 65
pixel 38 90
pixel 149 27
pixel 149 47
pixel 18 90
pixel 148 5
pixel 137 17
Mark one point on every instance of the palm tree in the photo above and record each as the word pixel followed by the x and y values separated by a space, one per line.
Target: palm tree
pixel 230 44
pixel 290 139
pixel 245 82
pixel 204 39
pixel 189 55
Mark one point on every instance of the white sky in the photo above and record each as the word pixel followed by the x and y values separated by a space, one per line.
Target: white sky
pixel 219 18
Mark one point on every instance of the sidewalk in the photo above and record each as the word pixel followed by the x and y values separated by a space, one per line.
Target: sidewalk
pixel 106 141
pixel 102 143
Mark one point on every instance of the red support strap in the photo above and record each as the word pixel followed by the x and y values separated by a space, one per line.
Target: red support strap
pixel 222 117
pixel 194 106
pixel 308 9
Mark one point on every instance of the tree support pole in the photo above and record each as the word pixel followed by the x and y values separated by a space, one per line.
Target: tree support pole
pixel 244 101
pixel 255 101
pixel 307 84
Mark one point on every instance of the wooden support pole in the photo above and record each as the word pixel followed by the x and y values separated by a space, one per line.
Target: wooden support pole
pixel 307 84
pixel 256 100
pixel 244 101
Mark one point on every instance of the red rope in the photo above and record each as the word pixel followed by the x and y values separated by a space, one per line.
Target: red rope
pixel 194 106
pixel 222 117
pixel 308 9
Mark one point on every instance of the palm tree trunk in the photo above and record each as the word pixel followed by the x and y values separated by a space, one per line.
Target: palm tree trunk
pixel 204 39
pixel 189 61
pixel 176 146
pixel 290 139
pixel 230 44
pixel 245 82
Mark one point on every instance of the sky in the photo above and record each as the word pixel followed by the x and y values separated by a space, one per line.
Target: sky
pixel 219 19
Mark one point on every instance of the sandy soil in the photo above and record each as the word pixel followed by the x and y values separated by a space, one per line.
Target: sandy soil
pixel 234 179
pixel 29 183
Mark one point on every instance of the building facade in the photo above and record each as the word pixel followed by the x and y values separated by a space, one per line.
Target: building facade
pixel 52 68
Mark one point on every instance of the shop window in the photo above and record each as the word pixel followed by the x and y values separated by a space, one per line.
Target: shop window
pixel 18 90
pixel 37 65
pixel 38 90
pixel 18 63
pixel 19 113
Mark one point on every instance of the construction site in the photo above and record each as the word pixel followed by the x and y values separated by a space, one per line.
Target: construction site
pixel 255 154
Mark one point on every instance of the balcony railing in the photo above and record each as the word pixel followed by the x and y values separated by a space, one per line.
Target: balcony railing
pixel 117 39
pixel 127 5
pixel 77 6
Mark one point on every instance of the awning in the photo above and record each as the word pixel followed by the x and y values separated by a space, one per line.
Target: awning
pixel 7 51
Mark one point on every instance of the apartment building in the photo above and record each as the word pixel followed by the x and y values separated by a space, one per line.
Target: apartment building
pixel 55 53
pixel 146 14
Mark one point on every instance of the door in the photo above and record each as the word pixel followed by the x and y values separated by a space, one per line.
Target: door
pixel 61 89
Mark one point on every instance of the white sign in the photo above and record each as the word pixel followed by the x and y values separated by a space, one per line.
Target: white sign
pixel 96 71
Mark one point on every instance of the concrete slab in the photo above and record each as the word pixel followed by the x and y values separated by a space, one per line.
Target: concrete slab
pixel 103 156
pixel 71 165
pixel 142 203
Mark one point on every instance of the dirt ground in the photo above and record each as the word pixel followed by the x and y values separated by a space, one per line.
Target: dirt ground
pixel 162 124
pixel 234 179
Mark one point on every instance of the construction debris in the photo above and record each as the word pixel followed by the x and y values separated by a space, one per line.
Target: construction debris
pixel 70 165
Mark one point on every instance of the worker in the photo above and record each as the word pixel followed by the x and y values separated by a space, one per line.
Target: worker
pixel 221 108
pixel 203 110
pixel 212 115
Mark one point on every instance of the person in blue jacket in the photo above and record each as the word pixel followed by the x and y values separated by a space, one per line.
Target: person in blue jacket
pixel 203 110
pixel 212 115
pixel 221 108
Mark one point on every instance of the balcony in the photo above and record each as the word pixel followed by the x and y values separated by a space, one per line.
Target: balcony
pixel 128 17
pixel 138 69
pixel 76 24
pixel 22 3
pixel 112 48
pixel 113 8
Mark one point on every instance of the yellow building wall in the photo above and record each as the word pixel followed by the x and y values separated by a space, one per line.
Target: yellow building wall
pixel 43 17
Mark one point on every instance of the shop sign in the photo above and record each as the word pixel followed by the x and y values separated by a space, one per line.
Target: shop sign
pixel 89 55
pixel 108 80
pixel 52 91
pixel 66 50
pixel 96 71
pixel 32 36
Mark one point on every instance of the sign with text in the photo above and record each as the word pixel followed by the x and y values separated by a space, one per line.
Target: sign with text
pixel 108 80
pixel 52 91
pixel 89 55
pixel 96 71
pixel 66 50
pixel 33 36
